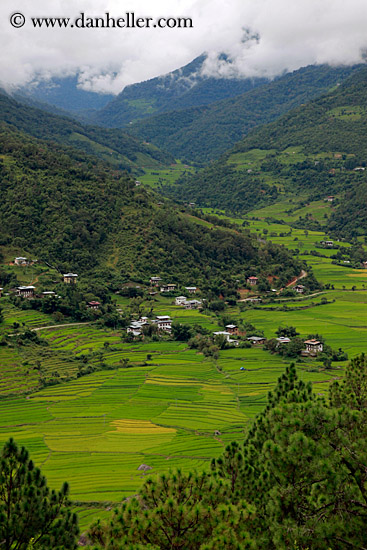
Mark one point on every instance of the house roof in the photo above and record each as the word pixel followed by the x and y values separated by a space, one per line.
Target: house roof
pixel 312 342
pixel 70 275
pixel 163 318
pixel 231 326
pixel 256 338
pixel 26 287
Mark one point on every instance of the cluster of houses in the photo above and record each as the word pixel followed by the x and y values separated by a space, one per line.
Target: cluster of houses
pixel 169 287
pixel 312 347
pixel 162 322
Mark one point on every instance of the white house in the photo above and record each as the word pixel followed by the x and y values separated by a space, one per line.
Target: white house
pixel 20 261
pixel 191 289
pixel 154 281
pixel 252 280
pixel 313 346
pixel 180 300
pixel 164 322
pixel 70 278
pixel 168 288
pixel 300 289
pixel 26 291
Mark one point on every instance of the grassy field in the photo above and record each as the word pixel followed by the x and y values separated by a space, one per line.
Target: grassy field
pixel 171 407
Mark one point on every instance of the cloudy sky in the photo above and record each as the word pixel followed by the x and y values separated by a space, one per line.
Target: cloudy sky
pixel 262 37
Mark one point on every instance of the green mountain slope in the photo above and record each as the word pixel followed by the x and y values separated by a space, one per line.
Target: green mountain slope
pixel 180 89
pixel 74 212
pixel 316 150
pixel 121 150
pixel 203 133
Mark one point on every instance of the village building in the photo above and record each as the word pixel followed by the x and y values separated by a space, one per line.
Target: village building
pixel 313 347
pixel 93 305
pixel 137 183
pixel 1 291
pixel 163 322
pixel 224 333
pixel 168 288
pixel 329 244
pixel 252 280
pixel 70 278
pixel 47 293
pixel 364 264
pixel 26 291
pixel 232 329
pixel 155 281
pixel 282 340
pixel 257 340
pixel 180 300
pixel 191 289
pixel 192 304
pixel 300 289
pixel 20 261
pixel 330 198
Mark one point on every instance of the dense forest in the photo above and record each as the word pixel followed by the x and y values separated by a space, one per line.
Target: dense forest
pixel 77 213
pixel 112 145
pixel 329 136
pixel 201 134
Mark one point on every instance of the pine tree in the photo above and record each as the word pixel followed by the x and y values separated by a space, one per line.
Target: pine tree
pixel 177 512
pixel 31 514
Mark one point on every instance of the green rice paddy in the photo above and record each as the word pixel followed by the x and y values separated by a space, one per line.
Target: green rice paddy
pixel 171 406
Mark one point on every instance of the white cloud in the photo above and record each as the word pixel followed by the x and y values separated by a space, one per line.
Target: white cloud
pixel 282 35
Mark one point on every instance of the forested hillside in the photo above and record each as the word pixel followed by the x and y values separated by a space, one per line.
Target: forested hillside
pixel 114 146
pixel 181 89
pixel 75 212
pixel 203 133
pixel 315 150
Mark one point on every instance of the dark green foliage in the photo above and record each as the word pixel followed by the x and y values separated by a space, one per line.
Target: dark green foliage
pixel 203 133
pixel 30 514
pixel 76 213
pixel 352 391
pixel 114 146
pixel 178 512
pixel 182 332
pixel 303 467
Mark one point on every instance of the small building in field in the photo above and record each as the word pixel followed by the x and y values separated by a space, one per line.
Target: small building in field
pixel 257 340
pixel 47 293
pixel 137 183
pixel 300 289
pixel 191 289
pixel 330 198
pixel 155 281
pixel 93 305
pixel 282 340
pixel 20 261
pixel 163 322
pixel 70 278
pixel 1 291
pixel 252 281
pixel 364 265
pixel 328 244
pixel 180 300
pixel 26 291
pixel 192 304
pixel 313 347
pixel 232 329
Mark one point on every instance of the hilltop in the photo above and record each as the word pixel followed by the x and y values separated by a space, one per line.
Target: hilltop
pixel 183 88
pixel 77 213
pixel 202 133
pixel 314 151
pixel 119 149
